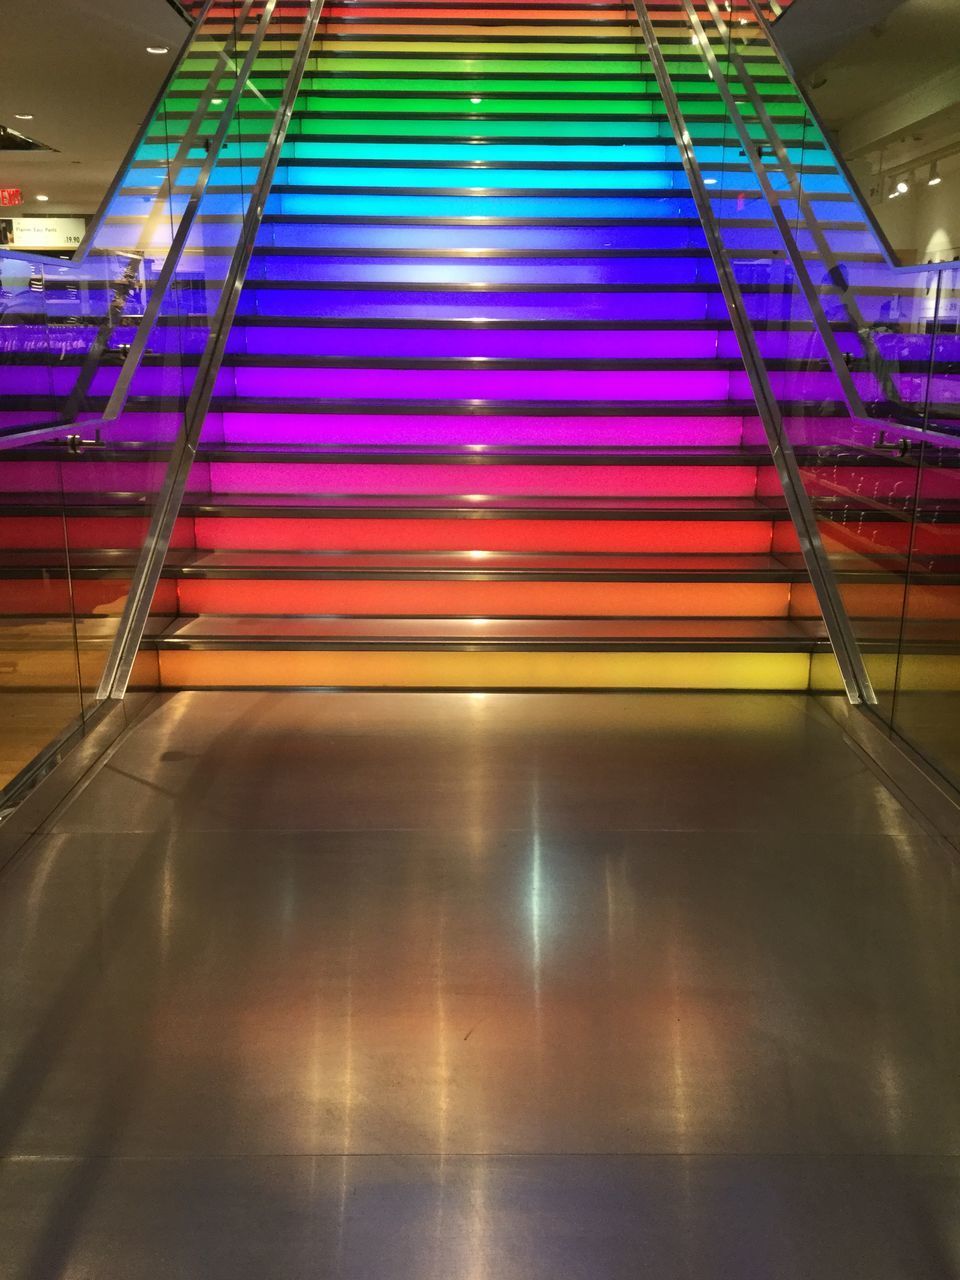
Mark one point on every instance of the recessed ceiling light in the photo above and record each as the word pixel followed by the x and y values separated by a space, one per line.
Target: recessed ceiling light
pixel 157 48
pixel 43 199
pixel 476 101
pixel 17 116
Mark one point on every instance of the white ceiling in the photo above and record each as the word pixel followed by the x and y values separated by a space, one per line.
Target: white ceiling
pixel 895 85
pixel 80 67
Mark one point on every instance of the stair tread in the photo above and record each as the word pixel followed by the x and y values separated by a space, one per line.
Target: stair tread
pixel 585 633
pixel 926 630
pixel 474 454
pixel 443 565
pixel 474 506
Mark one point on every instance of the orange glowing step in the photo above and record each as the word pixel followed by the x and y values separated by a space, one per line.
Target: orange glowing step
pixel 404 533
pixel 483 597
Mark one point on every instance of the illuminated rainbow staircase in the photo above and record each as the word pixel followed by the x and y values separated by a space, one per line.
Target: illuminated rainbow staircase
pixel 482 421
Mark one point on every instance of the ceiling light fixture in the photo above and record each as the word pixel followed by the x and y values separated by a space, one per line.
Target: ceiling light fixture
pixel 934 180
pixel 903 187
pixel 25 116
pixel 157 49
pixel 43 199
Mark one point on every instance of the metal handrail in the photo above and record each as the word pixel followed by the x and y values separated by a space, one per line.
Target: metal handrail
pixel 856 679
pixel 119 665
pixel 772 196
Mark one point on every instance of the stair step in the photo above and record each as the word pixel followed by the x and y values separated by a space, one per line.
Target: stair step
pixel 569 634
pixel 497 670
pixel 401 506
pixel 378 564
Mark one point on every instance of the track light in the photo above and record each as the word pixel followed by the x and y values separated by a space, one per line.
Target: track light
pixel 934 180
pixel 903 187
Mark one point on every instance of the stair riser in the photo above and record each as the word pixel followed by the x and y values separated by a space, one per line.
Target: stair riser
pixel 484 598
pixel 442 430
pixel 560 386
pixel 305 236
pixel 194 670
pixel 322 177
pixel 550 207
pixel 252 533
pixel 101 598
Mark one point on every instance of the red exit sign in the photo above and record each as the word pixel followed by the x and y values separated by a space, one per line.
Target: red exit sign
pixel 10 196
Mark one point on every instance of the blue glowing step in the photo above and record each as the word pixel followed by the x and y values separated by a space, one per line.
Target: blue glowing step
pixel 424 304
pixel 472 238
pixel 519 271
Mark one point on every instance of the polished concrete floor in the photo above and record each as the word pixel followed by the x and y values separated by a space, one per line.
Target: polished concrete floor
pixel 480 987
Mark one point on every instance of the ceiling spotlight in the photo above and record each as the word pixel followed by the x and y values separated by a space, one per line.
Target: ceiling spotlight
pixel 17 116
pixel 709 182
pixel 903 187
pixel 43 199
pixel 157 48
pixel 934 180
pixel 476 101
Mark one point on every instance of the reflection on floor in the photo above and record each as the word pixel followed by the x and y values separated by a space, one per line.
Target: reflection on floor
pixel 30 719
pixel 484 986
pixel 930 722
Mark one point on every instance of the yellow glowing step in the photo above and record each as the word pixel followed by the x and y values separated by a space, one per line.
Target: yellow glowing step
pixel 914 673
pixel 200 669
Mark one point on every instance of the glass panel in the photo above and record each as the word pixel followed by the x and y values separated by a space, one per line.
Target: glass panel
pixel 177 213
pixel 842 337
pixel 172 210
pixel 51 313
pixel 927 707
pixel 39 658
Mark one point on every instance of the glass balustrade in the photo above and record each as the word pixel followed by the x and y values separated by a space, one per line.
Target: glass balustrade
pixel 79 503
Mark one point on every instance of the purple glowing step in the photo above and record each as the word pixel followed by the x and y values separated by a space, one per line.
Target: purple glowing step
pixel 694 385
pixel 479 344
pixel 553 385
pixel 683 479
pixel 479 429
pixel 421 342
pixel 705 303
